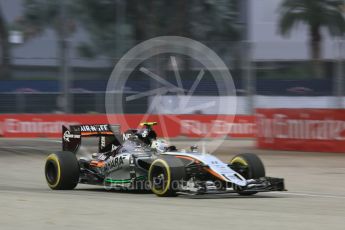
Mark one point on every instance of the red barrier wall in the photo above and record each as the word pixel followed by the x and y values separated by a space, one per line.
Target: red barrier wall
pixel 320 130
pixel 33 125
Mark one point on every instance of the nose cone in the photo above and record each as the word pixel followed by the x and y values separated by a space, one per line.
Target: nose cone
pixel 237 179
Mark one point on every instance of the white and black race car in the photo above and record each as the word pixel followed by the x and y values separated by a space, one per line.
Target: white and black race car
pixel 129 161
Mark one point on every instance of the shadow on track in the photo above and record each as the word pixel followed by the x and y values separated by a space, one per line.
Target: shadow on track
pixel 182 196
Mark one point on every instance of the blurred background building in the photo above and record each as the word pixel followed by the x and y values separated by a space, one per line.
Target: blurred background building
pixel 57 56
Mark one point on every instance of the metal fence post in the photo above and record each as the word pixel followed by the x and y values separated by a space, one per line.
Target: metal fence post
pixel 339 78
pixel 64 58
pixel 99 102
pixel 20 103
pixel 249 77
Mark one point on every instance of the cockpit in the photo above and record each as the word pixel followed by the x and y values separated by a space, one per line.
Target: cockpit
pixel 134 145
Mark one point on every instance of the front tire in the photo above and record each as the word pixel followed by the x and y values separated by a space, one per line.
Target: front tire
pixel 249 166
pixel 62 171
pixel 164 176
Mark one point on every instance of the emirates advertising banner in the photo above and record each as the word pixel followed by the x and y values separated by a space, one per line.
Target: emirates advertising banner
pixel 316 130
pixel 31 126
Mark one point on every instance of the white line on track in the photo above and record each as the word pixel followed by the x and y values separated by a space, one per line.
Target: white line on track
pixel 29 139
pixel 310 195
pixel 83 151
pixel 21 147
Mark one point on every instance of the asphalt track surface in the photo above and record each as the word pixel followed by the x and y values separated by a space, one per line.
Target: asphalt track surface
pixel 315 200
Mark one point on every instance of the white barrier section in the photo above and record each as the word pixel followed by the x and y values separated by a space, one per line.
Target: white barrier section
pixel 209 104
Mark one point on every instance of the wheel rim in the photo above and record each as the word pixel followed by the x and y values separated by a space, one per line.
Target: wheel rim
pixel 159 178
pixel 51 172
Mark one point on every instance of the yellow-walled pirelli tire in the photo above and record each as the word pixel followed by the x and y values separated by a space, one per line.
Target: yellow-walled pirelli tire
pixel 250 167
pixel 165 175
pixel 62 171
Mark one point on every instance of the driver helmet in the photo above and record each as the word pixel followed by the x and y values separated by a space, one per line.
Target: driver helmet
pixel 160 145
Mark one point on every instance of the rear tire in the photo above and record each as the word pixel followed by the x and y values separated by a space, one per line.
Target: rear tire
pixel 252 166
pixel 165 175
pixel 62 171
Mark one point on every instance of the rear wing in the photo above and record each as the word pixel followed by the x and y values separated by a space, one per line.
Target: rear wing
pixel 110 136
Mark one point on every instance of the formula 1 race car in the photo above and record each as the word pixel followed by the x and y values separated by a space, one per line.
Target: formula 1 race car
pixel 136 159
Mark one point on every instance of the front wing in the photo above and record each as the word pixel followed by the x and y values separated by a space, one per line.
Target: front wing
pixel 265 184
